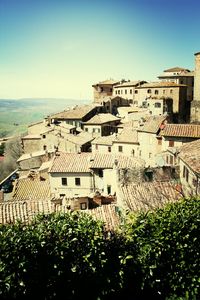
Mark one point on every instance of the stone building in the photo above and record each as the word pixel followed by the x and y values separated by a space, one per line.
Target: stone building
pixel 195 106
pixel 126 89
pixel 103 89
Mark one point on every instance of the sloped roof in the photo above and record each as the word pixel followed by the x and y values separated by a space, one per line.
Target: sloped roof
pixel 190 154
pixel 78 112
pixel 80 139
pixel 128 135
pixel 149 195
pixel 106 82
pixel 160 84
pixel 31 137
pixel 31 189
pixel 131 83
pixel 84 162
pixel 181 130
pixel 104 140
pixel 31 155
pixel 177 69
pixel 152 124
pixel 102 119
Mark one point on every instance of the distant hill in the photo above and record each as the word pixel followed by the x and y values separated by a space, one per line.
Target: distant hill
pixel 16 115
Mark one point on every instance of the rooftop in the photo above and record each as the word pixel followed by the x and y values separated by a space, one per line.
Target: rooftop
pixel 130 83
pixel 31 189
pixel 160 84
pixel 152 124
pixel 149 195
pixel 177 69
pixel 128 135
pixel 31 155
pixel 78 112
pixel 190 154
pixel 102 119
pixel 80 139
pixel 106 82
pixel 104 140
pixel 181 130
pixel 84 162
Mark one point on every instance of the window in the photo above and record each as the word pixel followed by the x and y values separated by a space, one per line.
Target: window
pixel 100 173
pixel 101 89
pixel 64 181
pixel 125 91
pixel 135 102
pixel 120 149
pixel 121 91
pixel 130 91
pixel 44 136
pixel 171 91
pixel 118 92
pixel 150 155
pixel 109 189
pixel 133 152
pixel 136 91
pixel 111 90
pixel 93 129
pixel 149 91
pixel 140 153
pixel 44 147
pixel 157 104
pixel 171 160
pixel 159 141
pixel 130 101
pixel 171 143
pixel 83 205
pixel 156 92
pixel 77 181
pixel 185 173
pixel 96 147
pixel 109 149
pixel 163 91
pixel 167 159
pixel 86 129
pixel 62 195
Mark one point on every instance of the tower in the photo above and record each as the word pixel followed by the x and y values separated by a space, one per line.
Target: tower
pixel 195 106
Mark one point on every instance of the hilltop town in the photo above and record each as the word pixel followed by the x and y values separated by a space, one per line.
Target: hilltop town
pixel 135 147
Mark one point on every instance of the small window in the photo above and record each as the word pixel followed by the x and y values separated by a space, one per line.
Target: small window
pixel 83 205
pixel 109 149
pixel 171 143
pixel 133 152
pixel 130 101
pixel 159 141
pixel 44 136
pixel 121 91
pixel 64 181
pixel 101 89
pixel 120 149
pixel 163 91
pixel 171 91
pixel 156 92
pixel 44 147
pixel 136 91
pixel 167 159
pixel 62 195
pixel 96 147
pixel 157 104
pixel 118 92
pixel 93 129
pixel 100 173
pixel 171 160
pixel 140 153
pixel 109 189
pixel 131 91
pixel 111 90
pixel 77 181
pixel 150 155
pixel 125 91
pixel 149 91
pixel 86 129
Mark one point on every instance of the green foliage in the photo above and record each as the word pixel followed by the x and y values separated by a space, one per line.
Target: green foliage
pixel 155 256
pixel 166 244
pixel 2 147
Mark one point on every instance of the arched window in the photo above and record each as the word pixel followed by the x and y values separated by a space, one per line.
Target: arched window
pixel 156 92
pixel 149 91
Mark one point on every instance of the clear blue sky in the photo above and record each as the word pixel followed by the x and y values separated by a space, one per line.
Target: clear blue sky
pixel 59 48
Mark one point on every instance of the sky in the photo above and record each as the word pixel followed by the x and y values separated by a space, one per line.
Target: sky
pixel 59 48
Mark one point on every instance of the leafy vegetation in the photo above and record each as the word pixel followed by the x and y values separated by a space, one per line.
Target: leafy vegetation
pixel 155 255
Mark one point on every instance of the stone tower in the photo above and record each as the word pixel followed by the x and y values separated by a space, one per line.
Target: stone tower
pixel 195 106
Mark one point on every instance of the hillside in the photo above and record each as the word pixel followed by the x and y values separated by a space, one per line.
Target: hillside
pixel 15 115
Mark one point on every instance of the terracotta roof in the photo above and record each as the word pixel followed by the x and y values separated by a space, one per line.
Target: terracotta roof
pixel 31 155
pixel 104 140
pixel 130 83
pixel 128 135
pixel 190 154
pixel 31 189
pixel 149 195
pixel 107 82
pixel 177 69
pixel 160 84
pixel 25 211
pixel 80 139
pixel 78 112
pixel 83 162
pixel 102 119
pixel 152 124
pixel 181 130
pixel 107 214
